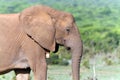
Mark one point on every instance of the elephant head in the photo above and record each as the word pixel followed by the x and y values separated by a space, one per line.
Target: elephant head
pixel 71 40
pixel 67 34
pixel 38 26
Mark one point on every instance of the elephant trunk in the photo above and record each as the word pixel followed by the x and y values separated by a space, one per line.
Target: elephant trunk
pixel 76 57
pixel 76 48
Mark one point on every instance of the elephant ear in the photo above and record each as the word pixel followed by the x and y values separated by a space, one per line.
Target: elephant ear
pixel 39 26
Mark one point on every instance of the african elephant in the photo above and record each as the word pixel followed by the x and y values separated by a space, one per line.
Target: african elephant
pixel 29 35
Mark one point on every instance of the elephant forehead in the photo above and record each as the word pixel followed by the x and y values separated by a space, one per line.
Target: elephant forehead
pixel 66 23
pixel 69 19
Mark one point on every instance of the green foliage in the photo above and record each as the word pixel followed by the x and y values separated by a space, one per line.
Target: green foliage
pixel 54 59
pixel 63 62
pixel 60 58
pixel 108 61
pixel 86 64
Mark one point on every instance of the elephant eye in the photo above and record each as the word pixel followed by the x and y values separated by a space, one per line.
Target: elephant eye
pixel 68 30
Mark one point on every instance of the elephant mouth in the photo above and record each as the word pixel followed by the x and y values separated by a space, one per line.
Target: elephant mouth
pixel 68 48
pixel 63 42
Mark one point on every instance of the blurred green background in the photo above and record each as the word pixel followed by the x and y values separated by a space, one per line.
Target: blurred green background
pixel 98 22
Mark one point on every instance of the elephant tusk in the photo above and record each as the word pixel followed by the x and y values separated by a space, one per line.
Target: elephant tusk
pixel 47 55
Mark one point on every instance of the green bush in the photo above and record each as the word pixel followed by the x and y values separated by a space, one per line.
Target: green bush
pixel 54 59
pixel 108 61
pixel 86 64
pixel 63 62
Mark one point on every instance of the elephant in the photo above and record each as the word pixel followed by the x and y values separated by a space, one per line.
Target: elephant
pixel 26 38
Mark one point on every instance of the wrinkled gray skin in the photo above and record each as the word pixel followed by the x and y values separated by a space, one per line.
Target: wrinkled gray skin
pixel 66 34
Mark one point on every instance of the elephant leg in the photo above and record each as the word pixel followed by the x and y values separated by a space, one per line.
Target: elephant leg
pixel 36 57
pixel 40 69
pixel 39 66
pixel 22 74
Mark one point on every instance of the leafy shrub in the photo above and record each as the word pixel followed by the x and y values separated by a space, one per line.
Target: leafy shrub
pixel 108 61
pixel 63 62
pixel 86 64
pixel 54 59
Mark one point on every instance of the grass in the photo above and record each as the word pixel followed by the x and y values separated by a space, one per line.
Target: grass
pixel 56 72
pixel 59 73
pixel 102 73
